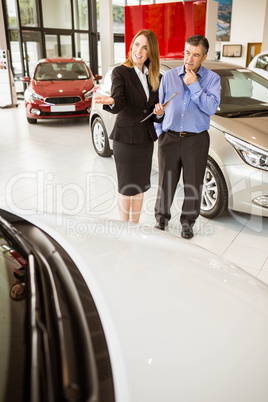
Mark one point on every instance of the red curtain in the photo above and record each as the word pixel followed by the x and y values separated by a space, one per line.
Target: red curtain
pixel 172 23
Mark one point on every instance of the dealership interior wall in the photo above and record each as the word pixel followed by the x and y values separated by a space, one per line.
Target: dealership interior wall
pixel 249 26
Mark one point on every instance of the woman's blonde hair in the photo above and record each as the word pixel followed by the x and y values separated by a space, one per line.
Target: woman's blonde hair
pixel 152 62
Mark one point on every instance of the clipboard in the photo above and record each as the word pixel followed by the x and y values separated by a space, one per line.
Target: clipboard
pixel 169 99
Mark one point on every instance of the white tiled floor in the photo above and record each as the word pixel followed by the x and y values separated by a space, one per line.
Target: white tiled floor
pixel 52 167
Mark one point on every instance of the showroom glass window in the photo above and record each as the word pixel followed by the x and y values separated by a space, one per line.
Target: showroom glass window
pixel 32 49
pixel 119 30
pixel 47 28
pixel 15 50
pixel 80 14
pixel 81 46
pixel 12 14
pixel 81 23
pixel 119 16
pixel 57 14
pixel 28 13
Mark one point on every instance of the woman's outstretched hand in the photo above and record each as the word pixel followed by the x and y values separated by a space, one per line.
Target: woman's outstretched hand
pixel 104 100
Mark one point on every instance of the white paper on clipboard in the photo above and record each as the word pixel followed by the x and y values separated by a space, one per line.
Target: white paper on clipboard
pixel 169 99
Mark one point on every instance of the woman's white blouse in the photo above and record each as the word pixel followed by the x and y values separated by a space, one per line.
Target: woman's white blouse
pixel 143 79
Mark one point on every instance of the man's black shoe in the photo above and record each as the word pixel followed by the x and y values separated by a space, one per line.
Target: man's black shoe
pixel 187 231
pixel 160 226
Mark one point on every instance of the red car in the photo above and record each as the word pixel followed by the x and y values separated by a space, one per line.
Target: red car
pixel 59 88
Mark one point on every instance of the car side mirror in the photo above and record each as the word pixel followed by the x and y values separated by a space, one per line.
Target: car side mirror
pixel 26 79
pixel 98 77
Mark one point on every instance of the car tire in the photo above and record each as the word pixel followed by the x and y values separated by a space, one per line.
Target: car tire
pixel 100 138
pixel 31 121
pixel 214 202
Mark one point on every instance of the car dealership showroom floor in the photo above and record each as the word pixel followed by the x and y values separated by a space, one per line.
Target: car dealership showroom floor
pixel 51 167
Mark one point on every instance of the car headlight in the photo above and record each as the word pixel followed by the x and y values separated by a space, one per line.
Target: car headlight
pixel 250 154
pixel 33 95
pixel 89 94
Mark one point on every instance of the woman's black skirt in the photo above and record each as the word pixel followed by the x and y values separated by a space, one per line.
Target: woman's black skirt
pixel 133 165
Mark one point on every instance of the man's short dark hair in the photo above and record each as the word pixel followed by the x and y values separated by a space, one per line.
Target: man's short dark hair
pixel 199 40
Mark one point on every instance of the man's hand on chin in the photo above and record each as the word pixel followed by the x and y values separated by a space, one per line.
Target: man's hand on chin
pixel 190 77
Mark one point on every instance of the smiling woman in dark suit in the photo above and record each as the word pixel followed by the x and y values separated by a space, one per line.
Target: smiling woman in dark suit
pixel 134 95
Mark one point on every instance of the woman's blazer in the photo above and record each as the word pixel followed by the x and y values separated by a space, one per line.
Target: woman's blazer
pixel 131 107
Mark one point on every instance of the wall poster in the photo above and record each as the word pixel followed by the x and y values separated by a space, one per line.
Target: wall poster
pixel 224 20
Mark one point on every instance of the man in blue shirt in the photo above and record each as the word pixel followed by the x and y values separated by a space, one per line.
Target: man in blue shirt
pixel 183 139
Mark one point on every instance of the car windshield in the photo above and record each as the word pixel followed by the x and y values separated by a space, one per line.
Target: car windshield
pixel 243 93
pixel 61 72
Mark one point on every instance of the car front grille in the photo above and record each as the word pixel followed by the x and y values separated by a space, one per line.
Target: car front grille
pixel 74 113
pixel 63 100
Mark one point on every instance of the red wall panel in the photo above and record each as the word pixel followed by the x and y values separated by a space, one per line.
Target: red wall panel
pixel 172 23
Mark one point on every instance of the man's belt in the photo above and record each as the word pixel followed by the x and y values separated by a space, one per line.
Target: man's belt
pixel 183 134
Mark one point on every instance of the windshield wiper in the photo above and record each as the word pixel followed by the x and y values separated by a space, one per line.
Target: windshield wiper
pixel 259 113
pixel 248 113
pixel 230 114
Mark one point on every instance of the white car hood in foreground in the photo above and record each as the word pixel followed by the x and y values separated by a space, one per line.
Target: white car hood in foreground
pixel 181 323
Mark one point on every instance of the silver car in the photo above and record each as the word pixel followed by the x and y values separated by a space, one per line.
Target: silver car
pixel 236 176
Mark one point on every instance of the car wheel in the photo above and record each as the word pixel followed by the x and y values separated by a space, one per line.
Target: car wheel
pixel 31 121
pixel 214 202
pixel 100 138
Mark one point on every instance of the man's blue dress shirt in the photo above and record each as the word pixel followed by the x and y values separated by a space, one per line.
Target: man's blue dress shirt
pixel 192 108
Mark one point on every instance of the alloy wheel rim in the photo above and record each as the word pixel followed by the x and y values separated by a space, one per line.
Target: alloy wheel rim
pixel 99 138
pixel 209 192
